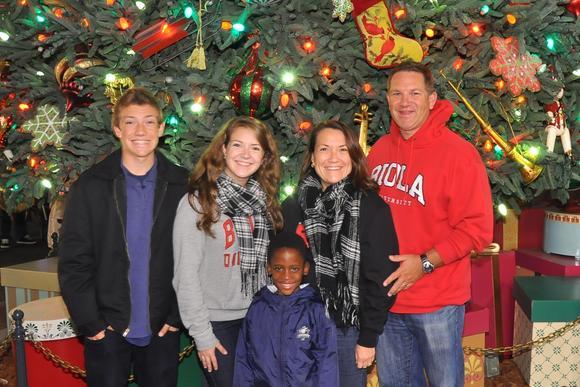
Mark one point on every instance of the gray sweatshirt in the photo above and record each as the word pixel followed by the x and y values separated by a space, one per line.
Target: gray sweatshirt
pixel 207 276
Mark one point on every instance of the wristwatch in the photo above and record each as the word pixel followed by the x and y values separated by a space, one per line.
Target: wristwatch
pixel 428 267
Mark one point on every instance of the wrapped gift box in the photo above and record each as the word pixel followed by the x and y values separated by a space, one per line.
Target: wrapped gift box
pixel 544 305
pixel 475 327
pixel 562 233
pixel 525 231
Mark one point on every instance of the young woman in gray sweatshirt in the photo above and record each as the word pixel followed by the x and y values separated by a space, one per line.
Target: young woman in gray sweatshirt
pixel 220 237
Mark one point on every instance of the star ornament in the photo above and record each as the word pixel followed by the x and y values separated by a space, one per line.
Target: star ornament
pixel 341 9
pixel 518 70
pixel 47 128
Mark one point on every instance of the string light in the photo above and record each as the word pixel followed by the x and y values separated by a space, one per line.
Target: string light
pixel 239 27
pixel 130 52
pixel 367 88
pixel 521 100
pixel 140 5
pixel 284 159
pixel 308 46
pixel 288 189
pixel 400 13
pixel 476 29
pixel 85 22
pixel 498 152
pixel 57 12
pixel 4 36
pixel 284 100
pixel 288 78
pixel 430 32
pixel 226 25
pixel 23 106
pixel 326 71
pixel 110 2
pixel 550 43
pixel 484 10
pixel 458 64
pixel 511 19
pixel 46 183
pixel 305 125
pixel 33 162
pixel 40 18
pixel 172 120
pixel 40 73
pixel 123 23
pixel 188 12
pixel 41 37
pixel 502 209
pixel 487 146
pixel 499 84
pixel 109 78
pixel 197 105
pixel 576 72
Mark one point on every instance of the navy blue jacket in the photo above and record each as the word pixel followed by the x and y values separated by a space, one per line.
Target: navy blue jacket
pixel 287 341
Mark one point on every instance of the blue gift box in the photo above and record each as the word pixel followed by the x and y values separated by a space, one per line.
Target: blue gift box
pixel 562 233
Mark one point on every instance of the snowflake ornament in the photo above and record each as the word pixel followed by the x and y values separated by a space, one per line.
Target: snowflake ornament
pixel 46 127
pixel 517 70
pixel 341 9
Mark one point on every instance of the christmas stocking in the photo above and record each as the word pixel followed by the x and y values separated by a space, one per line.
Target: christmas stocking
pixel 384 46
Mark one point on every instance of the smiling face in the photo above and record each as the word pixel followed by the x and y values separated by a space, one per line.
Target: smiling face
pixel 287 267
pixel 139 128
pixel 243 154
pixel 330 158
pixel 409 101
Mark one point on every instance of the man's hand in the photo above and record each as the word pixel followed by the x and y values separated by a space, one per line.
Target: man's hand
pixel 364 356
pixel 208 358
pixel 98 336
pixel 166 328
pixel 410 271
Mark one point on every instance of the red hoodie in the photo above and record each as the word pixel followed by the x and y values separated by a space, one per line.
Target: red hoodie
pixel 438 191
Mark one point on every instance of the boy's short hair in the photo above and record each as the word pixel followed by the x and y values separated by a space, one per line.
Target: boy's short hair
pixel 135 96
pixel 287 240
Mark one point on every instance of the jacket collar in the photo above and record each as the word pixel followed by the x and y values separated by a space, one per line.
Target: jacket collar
pixel 110 168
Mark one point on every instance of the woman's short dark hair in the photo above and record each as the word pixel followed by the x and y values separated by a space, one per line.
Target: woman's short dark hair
pixel 359 174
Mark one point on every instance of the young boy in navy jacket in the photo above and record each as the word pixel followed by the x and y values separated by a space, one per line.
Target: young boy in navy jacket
pixel 287 338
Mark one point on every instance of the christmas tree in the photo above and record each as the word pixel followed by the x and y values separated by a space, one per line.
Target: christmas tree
pixel 291 63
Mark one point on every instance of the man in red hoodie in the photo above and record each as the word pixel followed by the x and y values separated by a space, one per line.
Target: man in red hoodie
pixel 437 188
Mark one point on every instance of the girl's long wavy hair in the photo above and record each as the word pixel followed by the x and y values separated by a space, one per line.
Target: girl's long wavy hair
pixel 359 174
pixel 203 179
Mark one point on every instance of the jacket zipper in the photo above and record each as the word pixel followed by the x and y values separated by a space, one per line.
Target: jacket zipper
pixel 117 206
pixel 282 357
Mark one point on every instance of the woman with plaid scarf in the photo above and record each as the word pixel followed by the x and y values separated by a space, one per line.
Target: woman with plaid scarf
pixel 221 234
pixel 350 232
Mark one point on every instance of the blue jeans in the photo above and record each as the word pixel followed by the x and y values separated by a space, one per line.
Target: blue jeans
pixel 411 342
pixel 350 374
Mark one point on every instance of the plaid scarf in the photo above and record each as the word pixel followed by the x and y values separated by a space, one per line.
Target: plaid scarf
pixel 241 203
pixel 331 222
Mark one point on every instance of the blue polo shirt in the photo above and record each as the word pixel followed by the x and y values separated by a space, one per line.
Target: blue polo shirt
pixel 140 198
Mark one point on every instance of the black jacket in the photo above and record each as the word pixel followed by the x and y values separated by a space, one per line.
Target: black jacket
pixel 378 240
pixel 93 267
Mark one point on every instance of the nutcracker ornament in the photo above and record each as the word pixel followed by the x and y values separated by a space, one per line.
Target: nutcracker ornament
pixel 557 125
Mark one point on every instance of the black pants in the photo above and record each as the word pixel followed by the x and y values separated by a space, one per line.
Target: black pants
pixel 227 333
pixel 108 361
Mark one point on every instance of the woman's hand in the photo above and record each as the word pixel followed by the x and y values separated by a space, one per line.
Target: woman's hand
pixel 364 356
pixel 208 358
